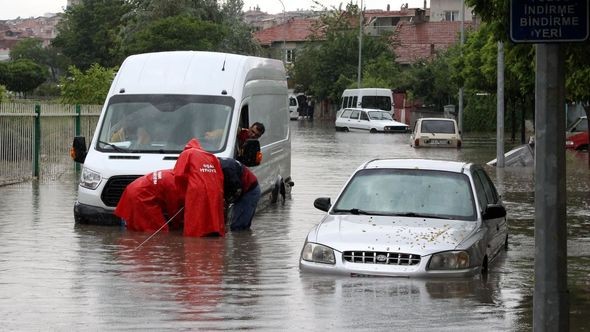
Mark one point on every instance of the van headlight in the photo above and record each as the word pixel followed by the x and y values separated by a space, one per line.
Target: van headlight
pixel 450 260
pixel 89 178
pixel 318 253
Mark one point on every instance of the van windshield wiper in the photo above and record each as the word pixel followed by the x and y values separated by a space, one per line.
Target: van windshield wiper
pixel 114 147
pixel 357 211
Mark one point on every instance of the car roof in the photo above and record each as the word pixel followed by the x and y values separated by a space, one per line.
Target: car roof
pixel 425 164
pixel 365 109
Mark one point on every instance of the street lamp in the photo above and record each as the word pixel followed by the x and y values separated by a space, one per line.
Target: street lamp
pixel 284 28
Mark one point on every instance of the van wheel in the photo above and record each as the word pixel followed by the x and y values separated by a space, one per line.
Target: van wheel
pixel 279 188
pixel 345 129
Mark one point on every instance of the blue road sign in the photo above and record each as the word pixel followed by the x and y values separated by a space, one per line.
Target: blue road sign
pixel 548 21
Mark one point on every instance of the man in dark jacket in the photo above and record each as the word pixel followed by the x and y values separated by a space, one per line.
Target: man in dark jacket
pixel 241 189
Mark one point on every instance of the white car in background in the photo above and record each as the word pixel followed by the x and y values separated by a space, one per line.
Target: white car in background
pixel 409 218
pixel 293 107
pixel 436 132
pixel 371 120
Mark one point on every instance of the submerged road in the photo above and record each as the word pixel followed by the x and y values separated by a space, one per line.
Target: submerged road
pixel 55 275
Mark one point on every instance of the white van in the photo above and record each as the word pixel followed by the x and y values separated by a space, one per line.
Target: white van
pixel 159 101
pixel 375 98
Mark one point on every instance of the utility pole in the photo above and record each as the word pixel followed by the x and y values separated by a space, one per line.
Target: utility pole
pixel 360 44
pixel 284 34
pixel 500 107
pixel 460 114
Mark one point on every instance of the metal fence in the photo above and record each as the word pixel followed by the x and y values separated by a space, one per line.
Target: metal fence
pixel 35 138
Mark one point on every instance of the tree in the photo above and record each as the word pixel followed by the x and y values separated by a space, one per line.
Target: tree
pixel 176 33
pixel 316 69
pixel 32 49
pixel 23 76
pixel 89 87
pixel 209 27
pixel 29 48
pixel 89 32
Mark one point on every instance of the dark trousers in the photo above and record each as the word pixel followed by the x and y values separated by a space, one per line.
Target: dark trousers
pixel 244 209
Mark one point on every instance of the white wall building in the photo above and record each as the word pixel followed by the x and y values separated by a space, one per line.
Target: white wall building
pixel 449 10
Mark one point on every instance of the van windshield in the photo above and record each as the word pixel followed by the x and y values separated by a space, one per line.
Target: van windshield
pixel 377 102
pixel 164 123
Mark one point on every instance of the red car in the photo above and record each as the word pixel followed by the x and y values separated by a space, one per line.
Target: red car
pixel 577 141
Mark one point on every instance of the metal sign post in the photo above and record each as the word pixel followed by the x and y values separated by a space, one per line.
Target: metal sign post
pixel 548 23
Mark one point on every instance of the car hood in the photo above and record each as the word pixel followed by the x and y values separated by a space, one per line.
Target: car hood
pixel 394 234
pixel 389 123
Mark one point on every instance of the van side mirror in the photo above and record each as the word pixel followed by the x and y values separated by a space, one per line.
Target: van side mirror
pixel 494 211
pixel 322 203
pixel 251 154
pixel 78 150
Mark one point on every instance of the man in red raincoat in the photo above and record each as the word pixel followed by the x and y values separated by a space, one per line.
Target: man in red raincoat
pixel 149 200
pixel 199 176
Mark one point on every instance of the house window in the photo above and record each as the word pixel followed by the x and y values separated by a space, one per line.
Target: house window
pixel 290 55
pixel 452 15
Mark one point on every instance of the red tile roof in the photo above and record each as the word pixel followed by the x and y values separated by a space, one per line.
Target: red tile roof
pixel 294 30
pixel 421 41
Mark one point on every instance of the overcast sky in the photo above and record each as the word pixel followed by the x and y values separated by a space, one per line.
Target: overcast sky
pixel 11 9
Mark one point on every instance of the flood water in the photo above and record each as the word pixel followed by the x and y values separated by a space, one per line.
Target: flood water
pixel 55 275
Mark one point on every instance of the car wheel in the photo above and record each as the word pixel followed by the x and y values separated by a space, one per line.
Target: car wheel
pixel 373 130
pixel 345 129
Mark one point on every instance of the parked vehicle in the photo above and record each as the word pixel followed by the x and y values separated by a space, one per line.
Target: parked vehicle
pixel 159 101
pixel 293 108
pixel 409 218
pixel 435 132
pixel 577 141
pixel 375 98
pixel 371 120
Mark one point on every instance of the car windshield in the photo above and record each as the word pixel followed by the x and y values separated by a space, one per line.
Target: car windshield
pixel 581 124
pixel 377 102
pixel 379 115
pixel 413 192
pixel 164 123
pixel 438 126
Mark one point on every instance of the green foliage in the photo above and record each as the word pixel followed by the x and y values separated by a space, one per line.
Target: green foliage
pixel 432 81
pixel 176 33
pixel 29 48
pixel 325 69
pixel 22 75
pixel 479 114
pixel 3 94
pixel 89 87
pixel 89 32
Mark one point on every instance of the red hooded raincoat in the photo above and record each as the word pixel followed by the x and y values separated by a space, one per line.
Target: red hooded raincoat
pixel 198 174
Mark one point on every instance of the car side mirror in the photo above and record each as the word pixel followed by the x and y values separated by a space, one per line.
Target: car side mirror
pixel 322 203
pixel 494 211
pixel 78 150
pixel 251 154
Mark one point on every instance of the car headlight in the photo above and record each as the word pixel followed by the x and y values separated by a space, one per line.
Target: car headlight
pixel 450 260
pixel 318 253
pixel 89 178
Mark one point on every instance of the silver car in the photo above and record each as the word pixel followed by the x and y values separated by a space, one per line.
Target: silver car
pixel 409 218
